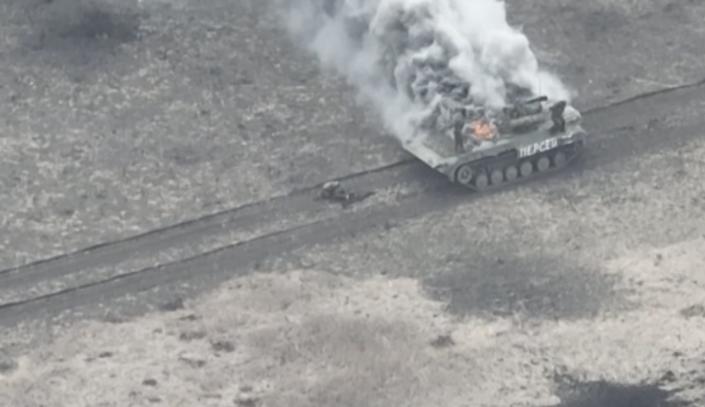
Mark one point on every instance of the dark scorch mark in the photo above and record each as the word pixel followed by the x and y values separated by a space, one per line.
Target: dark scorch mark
pixel 529 287
pixel 574 393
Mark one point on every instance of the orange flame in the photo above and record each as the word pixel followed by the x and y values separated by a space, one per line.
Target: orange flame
pixel 483 129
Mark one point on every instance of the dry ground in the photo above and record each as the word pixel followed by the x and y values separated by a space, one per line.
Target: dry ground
pixel 179 110
pixel 117 119
pixel 596 278
pixel 497 301
pixel 609 49
pixel 312 338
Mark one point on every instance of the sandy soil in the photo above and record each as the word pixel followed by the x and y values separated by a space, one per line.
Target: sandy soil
pixel 177 109
pixel 491 302
pixel 405 318
pixel 313 338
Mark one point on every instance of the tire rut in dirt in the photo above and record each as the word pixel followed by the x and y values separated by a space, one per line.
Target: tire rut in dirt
pixel 436 189
pixel 226 261
pixel 277 214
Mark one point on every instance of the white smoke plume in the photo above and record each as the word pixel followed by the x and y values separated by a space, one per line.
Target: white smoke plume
pixel 418 61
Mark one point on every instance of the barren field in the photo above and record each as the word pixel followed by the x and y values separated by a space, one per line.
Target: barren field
pixel 312 338
pixel 183 110
pixel 586 289
pixel 119 119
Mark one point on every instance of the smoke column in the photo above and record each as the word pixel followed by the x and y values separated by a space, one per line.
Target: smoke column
pixel 418 61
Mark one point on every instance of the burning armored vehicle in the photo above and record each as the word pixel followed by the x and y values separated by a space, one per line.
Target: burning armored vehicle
pixel 471 86
pixel 532 137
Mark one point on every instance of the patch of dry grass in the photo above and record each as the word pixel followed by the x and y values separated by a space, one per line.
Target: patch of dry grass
pixel 314 339
pixel 165 115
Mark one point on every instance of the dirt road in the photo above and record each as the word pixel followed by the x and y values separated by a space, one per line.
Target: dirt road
pixel 404 190
pixel 581 289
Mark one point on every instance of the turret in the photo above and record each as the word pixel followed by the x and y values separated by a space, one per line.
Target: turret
pixel 527 122
pixel 529 115
pixel 526 108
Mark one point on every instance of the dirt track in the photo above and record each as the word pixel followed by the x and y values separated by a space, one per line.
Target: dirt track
pixel 247 234
pixel 206 107
pixel 588 257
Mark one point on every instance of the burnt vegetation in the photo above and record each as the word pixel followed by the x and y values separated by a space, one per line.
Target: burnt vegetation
pixel 80 31
pixel 576 393
pixel 536 288
pixel 97 24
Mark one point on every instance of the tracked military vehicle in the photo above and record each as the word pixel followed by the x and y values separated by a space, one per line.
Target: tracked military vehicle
pixel 460 131
pixel 531 137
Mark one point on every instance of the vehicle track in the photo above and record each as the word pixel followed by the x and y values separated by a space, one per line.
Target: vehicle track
pixel 285 223
pixel 188 239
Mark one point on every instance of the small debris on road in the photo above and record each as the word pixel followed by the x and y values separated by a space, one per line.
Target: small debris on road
pixel 334 192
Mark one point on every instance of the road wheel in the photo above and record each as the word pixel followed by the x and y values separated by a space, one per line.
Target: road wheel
pixel 526 168
pixel 464 174
pixel 497 177
pixel 559 159
pixel 543 163
pixel 482 181
pixel 511 173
